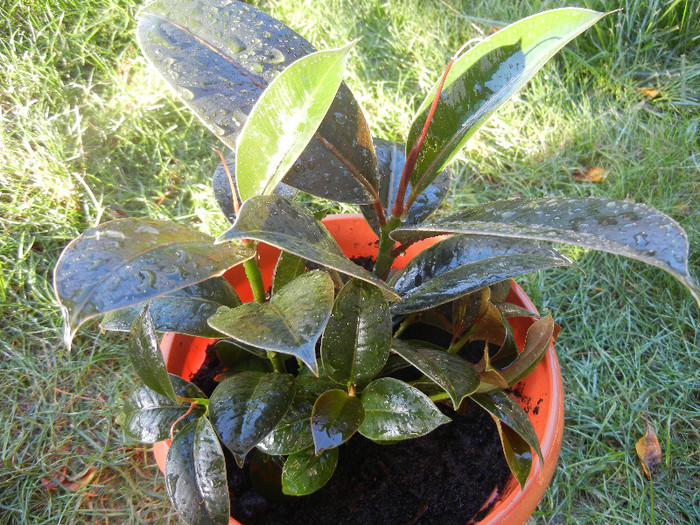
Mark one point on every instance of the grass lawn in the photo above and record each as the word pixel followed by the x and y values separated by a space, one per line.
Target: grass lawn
pixel 88 133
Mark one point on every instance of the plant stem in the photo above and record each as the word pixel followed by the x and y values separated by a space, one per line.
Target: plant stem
pixel 252 271
pixel 277 362
pixel 385 258
pixel 408 321
pixel 440 396
pixel 457 345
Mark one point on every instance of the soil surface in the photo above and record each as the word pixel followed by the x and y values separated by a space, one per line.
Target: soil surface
pixel 441 478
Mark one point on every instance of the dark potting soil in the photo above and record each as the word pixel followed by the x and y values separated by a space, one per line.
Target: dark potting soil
pixel 441 478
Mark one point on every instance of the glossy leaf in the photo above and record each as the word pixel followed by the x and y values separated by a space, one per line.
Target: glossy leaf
pixel 293 433
pixel 500 291
pixel 517 452
pixel 147 358
pixel 623 228
pixel 467 309
pixel 537 340
pixel 291 322
pixel 292 228
pixel 195 476
pixel 246 407
pixel 219 57
pixel 129 261
pixel 453 374
pixel 395 411
pixel 484 78
pixel 335 418
pixel 285 118
pixel 183 311
pixel 464 263
pixel 356 341
pixel 304 472
pixel 390 162
pixel 502 407
pixel 513 310
pixel 288 268
pixel 147 416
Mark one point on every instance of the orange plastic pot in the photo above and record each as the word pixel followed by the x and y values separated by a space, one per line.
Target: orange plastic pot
pixel 540 394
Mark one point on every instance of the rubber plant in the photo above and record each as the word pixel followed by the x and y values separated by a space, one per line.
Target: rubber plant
pixel 312 361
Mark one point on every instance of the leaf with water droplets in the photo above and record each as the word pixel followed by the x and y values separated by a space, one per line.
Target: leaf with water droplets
pixel 517 452
pixel 292 228
pixel 484 78
pixel 183 311
pixel 288 268
pixel 464 263
pixel 335 418
pixel 219 58
pixel 247 407
pixel 291 322
pixel 129 261
pixel 304 472
pixel 195 475
pixel 620 227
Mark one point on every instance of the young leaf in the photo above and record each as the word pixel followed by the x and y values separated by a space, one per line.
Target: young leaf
pixel 335 418
pixel 291 322
pixel 537 339
pixel 355 344
pixel 517 452
pixel 395 410
pixel 147 416
pixel 453 374
pixel 288 268
pixel 623 228
pixel 130 261
pixel 284 119
pixel 147 358
pixel 304 472
pixel 195 475
pixel 246 407
pixel 486 77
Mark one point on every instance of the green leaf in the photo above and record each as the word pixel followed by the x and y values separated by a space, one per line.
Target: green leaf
pixel 183 311
pixel 464 263
pixel 291 322
pixel 304 472
pixel 453 374
pixel 195 476
pixel 396 411
pixel 502 407
pixel 146 356
pixel 335 418
pixel 486 77
pixel 265 473
pixel 129 261
pixel 537 340
pixel 356 341
pixel 293 433
pixel 285 118
pixel 288 268
pixel 292 228
pixel 219 57
pixel 623 228
pixel 147 416
pixel 247 407
pixel 517 452
pixel 467 309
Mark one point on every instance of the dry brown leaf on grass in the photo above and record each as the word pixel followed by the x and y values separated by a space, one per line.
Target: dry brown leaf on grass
pixel 590 175
pixel 649 450
pixel 649 92
pixel 70 483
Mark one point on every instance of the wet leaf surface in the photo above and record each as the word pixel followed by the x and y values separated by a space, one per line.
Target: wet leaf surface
pixel 129 261
pixel 291 322
pixel 246 407
pixel 335 418
pixel 148 416
pixel 649 450
pixel 184 311
pixel 623 228
pixel 517 451
pixel 288 268
pixel 355 344
pixel 195 475
pixel 305 472
pixel 395 410
pixel 537 339
pixel 292 228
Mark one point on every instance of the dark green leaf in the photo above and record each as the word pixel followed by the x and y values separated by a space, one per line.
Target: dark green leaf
pixel 304 472
pixel 130 261
pixel 148 416
pixel 396 411
pixel 486 77
pixel 355 344
pixel 291 322
pixel 195 476
pixel 220 58
pixel 537 339
pixel 464 263
pixel 467 309
pixel 453 374
pixel 288 268
pixel 508 352
pixel 292 228
pixel 231 352
pixel 183 311
pixel 517 452
pixel 335 418
pixel 247 407
pixel 623 228
pixel 285 118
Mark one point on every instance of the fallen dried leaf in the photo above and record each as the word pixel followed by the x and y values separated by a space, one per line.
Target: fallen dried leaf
pixel 649 450
pixel 682 208
pixel 590 175
pixel 649 92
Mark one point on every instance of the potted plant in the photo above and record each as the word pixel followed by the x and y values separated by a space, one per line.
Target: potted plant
pixel 324 349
